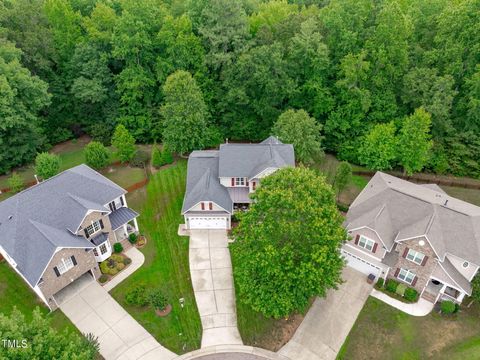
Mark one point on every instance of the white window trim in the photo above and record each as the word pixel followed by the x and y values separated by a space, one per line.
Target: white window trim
pixel 101 247
pixel 416 255
pixel 240 181
pixel 65 265
pixel 93 226
pixel 367 242
pixel 406 273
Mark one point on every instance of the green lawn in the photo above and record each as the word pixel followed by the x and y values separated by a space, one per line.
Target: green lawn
pixel 383 332
pixel 166 261
pixel 124 176
pixel 15 292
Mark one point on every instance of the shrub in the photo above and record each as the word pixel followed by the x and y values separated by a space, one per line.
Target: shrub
pixel 47 165
pixel 15 183
pixel 410 294
pixel 156 156
pixel 141 241
pixel 120 266
pixel 117 258
pixel 167 157
pixel 103 278
pixel 101 132
pixel 96 155
pixel 391 285
pixel 157 300
pixel 132 238
pixel 140 159
pixel 127 261
pixel 124 142
pixel 342 207
pixel 400 290
pixel 447 307
pixel 108 267
pixel 136 295
pixel 379 283
pixel 117 247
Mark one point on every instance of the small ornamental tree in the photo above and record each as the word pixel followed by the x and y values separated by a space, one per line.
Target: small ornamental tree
pixel 156 156
pixel 378 149
pixel 96 155
pixel 287 244
pixel 167 157
pixel 124 143
pixel 47 165
pixel 42 340
pixel 15 183
pixel 414 144
pixel 298 128
pixel 343 175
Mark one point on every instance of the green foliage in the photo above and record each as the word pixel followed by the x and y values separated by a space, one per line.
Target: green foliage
pixel 184 113
pixel 391 285
pixel 42 340
pixel 157 299
pixel 132 238
pixel 343 176
pixel 15 183
pixel 47 165
pixel 96 155
pixel 379 147
pixel 414 142
pixel 103 278
pixel 379 283
pixel 141 159
pixel 117 247
pixel 301 130
pixel 137 295
pixel 124 143
pixel 447 307
pixel 410 294
pixel 400 290
pixel 476 288
pixel 286 247
pixel 156 156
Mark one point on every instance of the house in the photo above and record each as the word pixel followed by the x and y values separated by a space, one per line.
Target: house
pixel 416 234
pixel 60 229
pixel 221 181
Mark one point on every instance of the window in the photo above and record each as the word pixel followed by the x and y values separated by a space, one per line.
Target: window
pixel 93 228
pixel 366 243
pixel 239 181
pixel 415 256
pixel 103 248
pixel 65 265
pixel 95 252
pixel 406 275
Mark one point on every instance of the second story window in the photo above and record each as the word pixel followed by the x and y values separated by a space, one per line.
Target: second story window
pixel 366 243
pixel 415 256
pixel 93 228
pixel 239 181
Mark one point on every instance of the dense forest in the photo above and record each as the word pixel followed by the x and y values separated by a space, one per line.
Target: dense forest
pixel 69 67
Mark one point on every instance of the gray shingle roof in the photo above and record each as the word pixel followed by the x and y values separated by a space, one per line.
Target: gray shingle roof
pixel 99 239
pixel 445 271
pixel 248 160
pixel 121 216
pixel 203 183
pixel 451 225
pixel 40 219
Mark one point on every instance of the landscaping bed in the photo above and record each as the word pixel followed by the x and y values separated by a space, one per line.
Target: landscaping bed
pixel 397 290
pixel 112 266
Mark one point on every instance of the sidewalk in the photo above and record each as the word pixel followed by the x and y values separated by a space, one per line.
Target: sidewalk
pixel 420 308
pixel 137 260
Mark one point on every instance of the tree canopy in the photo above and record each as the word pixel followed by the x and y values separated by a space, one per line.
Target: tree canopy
pixel 286 247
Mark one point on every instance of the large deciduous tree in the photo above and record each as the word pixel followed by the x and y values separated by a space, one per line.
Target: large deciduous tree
pixel 287 245
pixel 414 142
pixel 184 114
pixel 378 149
pixel 298 128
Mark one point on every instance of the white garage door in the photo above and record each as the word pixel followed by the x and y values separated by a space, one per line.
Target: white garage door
pixel 360 264
pixel 207 222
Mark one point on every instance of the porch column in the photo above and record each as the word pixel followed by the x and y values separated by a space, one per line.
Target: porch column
pixel 125 230
pixel 135 223
pixel 460 298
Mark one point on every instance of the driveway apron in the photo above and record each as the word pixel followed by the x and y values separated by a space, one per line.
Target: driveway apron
pixel 92 310
pixel 212 279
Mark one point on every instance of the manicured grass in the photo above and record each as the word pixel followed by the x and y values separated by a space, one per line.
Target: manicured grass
pixel 15 292
pixel 383 332
pixel 470 195
pixel 124 176
pixel 166 261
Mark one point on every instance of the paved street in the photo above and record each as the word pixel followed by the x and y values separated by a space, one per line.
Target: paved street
pixel 328 322
pixel 212 279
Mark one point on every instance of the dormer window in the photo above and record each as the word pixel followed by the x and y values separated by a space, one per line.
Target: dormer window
pixel 240 181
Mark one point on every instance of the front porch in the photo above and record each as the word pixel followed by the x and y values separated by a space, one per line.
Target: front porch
pixel 124 222
pixel 435 291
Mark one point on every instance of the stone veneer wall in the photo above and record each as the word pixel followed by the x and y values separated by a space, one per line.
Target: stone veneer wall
pixel 423 272
pixel 107 226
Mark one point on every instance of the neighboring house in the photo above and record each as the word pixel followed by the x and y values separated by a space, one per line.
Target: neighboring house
pixel 416 234
pixel 60 229
pixel 221 181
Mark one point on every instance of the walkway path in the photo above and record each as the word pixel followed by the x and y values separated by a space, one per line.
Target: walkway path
pixel 212 279
pixel 137 260
pixel 421 308
pixel 328 322
pixel 232 352
pixel 92 310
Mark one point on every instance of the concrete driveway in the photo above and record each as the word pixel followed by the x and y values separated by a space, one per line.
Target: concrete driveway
pixel 92 310
pixel 329 320
pixel 212 280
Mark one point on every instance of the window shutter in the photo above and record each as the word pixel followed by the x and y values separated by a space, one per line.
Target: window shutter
pixel 233 181
pixel 74 261
pixel 56 271
pixel 254 184
pixel 202 205
pixel 121 200
pixel 86 233
pixel 405 252
pixel 111 206
pixel 396 272
pixel 374 250
pixel 247 182
pixel 424 261
pixel 357 238
pixel 101 223
pixel 414 281
pixel 210 206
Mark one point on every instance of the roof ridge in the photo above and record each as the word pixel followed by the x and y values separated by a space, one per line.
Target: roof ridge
pixel 34 223
pixel 432 217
